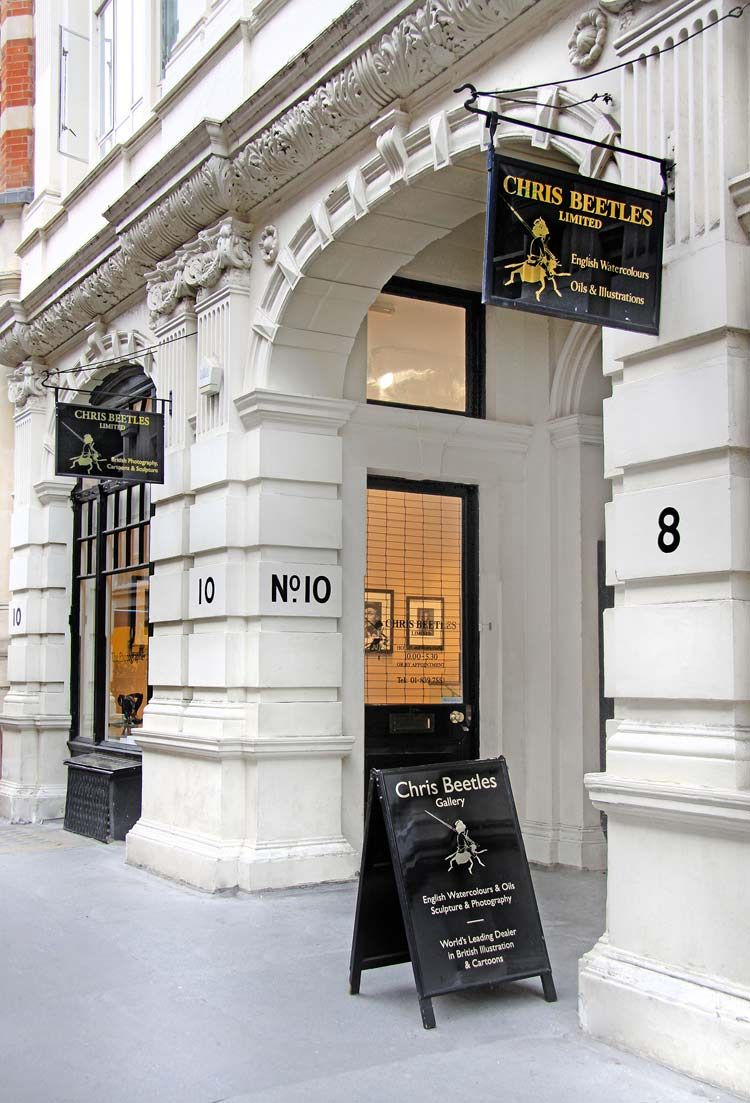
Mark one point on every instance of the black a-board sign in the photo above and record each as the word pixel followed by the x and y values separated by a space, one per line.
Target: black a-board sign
pixel 445 883
pixel 102 443
pixel 572 247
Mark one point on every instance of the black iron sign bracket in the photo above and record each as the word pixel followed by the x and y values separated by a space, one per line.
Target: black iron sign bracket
pixel 666 164
pixel 165 403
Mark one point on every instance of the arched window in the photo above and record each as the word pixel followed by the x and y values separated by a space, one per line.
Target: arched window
pixel 111 573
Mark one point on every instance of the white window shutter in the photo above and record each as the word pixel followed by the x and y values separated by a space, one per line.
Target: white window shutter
pixel 73 114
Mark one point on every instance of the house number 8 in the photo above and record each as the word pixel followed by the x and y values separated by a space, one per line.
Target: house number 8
pixel 669 537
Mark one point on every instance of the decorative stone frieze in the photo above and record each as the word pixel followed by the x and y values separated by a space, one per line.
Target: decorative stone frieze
pixel 425 42
pixel 198 266
pixel 616 6
pixel 588 39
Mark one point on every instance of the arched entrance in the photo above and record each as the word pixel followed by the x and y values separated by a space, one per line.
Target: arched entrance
pixel 536 459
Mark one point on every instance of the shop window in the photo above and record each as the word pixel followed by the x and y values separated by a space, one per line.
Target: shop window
pixel 111 578
pixel 121 30
pixel 425 348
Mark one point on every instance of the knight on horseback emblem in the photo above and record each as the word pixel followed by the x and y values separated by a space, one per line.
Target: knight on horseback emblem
pixel 89 458
pixel 540 264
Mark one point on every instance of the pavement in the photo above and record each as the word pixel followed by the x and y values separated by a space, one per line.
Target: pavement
pixel 116 985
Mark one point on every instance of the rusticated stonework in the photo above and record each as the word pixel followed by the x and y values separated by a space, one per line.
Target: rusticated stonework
pixel 424 43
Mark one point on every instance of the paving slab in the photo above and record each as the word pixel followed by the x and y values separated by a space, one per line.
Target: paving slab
pixel 118 985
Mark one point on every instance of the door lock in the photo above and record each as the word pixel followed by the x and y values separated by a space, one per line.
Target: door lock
pixel 457 717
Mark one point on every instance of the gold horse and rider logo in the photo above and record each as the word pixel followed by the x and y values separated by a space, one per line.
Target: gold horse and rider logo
pixel 540 264
pixel 89 458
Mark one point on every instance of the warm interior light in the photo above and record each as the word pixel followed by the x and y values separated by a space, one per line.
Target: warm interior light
pixel 386 381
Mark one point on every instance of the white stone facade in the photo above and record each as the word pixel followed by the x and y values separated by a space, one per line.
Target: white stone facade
pixel 249 207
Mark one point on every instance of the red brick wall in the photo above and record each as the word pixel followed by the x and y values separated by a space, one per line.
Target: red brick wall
pixel 16 90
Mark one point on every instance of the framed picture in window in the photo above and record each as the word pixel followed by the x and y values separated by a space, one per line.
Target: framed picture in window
pixel 425 624
pixel 379 622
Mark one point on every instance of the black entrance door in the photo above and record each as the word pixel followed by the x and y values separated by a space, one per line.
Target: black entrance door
pixel 421 623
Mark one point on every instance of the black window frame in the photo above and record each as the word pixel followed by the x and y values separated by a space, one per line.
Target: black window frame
pixel 471 302
pixel 129 388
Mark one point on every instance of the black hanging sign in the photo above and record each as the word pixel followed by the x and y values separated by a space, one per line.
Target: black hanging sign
pixel 445 883
pixel 572 247
pixel 101 443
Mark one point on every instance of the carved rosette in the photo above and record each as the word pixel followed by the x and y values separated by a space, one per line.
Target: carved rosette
pixel 588 39
pixel 418 48
pixel 198 266
pixel 25 383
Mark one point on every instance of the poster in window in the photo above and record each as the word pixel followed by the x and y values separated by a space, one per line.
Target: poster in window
pixel 425 624
pixel 379 622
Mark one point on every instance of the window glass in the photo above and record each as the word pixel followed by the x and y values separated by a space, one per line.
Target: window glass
pixel 416 353
pixel 127 604
pixel 413 599
pixel 107 68
pixel 138 52
pixel 87 623
pixel 177 17
pixel 122 54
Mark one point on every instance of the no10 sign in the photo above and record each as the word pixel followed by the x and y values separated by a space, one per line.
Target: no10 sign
pixel 300 589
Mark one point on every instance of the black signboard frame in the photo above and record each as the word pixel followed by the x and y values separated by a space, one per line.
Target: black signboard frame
pixel 96 434
pixel 385 931
pixel 518 218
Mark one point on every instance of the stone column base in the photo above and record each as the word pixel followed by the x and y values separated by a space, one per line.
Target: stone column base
pixel 31 803
pixel 696 1024
pixel 199 860
pixel 215 864
pixel 556 844
pixel 308 863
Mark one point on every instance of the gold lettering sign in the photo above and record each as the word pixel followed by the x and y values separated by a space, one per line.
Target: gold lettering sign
pixel 562 245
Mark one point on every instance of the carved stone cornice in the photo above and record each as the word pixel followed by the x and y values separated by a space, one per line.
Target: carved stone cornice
pixel 198 266
pixel 421 45
pixel 616 6
pixel 25 383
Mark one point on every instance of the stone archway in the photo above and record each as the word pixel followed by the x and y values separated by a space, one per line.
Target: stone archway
pixel 386 210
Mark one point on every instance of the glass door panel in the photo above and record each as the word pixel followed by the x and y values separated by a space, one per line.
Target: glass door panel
pixel 413 600
pixel 420 623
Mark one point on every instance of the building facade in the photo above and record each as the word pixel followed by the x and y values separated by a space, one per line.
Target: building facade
pixel 270 214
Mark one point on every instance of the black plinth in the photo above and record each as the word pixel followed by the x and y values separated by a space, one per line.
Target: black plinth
pixel 103 800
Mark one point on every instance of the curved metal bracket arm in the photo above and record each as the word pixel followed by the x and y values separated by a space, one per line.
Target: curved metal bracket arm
pixel 666 164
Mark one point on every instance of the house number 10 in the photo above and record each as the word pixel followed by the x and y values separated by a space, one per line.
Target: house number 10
pixel 206 590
